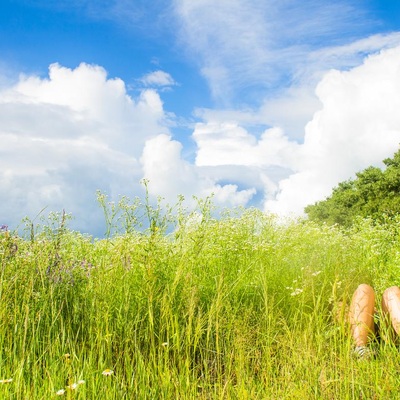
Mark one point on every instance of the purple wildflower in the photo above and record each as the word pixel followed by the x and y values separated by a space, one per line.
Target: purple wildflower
pixel 4 228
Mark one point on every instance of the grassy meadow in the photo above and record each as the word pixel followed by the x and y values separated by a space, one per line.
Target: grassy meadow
pixel 192 307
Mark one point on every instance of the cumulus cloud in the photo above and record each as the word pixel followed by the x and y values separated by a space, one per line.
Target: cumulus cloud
pixel 87 98
pixel 66 135
pixel 357 126
pixel 75 131
pixel 229 144
pixel 170 175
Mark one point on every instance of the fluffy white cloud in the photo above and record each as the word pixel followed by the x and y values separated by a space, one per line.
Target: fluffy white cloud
pixel 86 98
pixel 75 131
pixel 169 175
pixel 358 126
pixel 65 136
pixel 229 144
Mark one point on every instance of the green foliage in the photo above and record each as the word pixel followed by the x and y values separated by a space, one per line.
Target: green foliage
pixel 235 307
pixel 373 194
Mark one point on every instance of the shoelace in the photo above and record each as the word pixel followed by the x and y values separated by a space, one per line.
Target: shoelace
pixel 362 352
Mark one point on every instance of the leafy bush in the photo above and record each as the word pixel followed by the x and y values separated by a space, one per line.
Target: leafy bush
pixel 373 194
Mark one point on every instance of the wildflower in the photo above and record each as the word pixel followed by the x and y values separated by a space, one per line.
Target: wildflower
pixel 60 392
pixel 316 273
pixel 3 228
pixel 81 382
pixel 6 380
pixel 165 344
pixel 72 386
pixel 296 292
pixel 107 372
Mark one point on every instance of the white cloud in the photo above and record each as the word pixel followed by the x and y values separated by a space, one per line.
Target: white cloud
pixel 88 99
pixel 65 136
pixel 158 78
pixel 266 72
pixel 293 106
pixel 169 175
pixel 229 144
pixel 253 44
pixel 291 110
pixel 222 35
pixel 358 126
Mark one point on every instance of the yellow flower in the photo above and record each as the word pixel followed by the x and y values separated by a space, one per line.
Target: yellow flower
pixel 107 372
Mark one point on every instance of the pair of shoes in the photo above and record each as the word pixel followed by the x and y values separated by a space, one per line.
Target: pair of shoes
pixel 362 352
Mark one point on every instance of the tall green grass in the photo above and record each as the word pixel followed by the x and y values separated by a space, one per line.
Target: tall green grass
pixel 234 307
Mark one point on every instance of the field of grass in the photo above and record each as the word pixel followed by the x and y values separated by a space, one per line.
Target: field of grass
pixel 234 307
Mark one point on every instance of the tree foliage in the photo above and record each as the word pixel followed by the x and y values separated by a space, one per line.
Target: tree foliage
pixel 374 193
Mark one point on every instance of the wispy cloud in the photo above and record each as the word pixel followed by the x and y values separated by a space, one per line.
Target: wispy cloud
pixel 257 45
pixel 149 17
pixel 158 78
pixel 343 56
pixel 262 59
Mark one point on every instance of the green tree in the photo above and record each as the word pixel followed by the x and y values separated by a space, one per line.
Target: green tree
pixel 373 193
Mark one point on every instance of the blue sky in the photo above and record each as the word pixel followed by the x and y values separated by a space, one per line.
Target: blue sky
pixel 263 103
pixel 37 33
